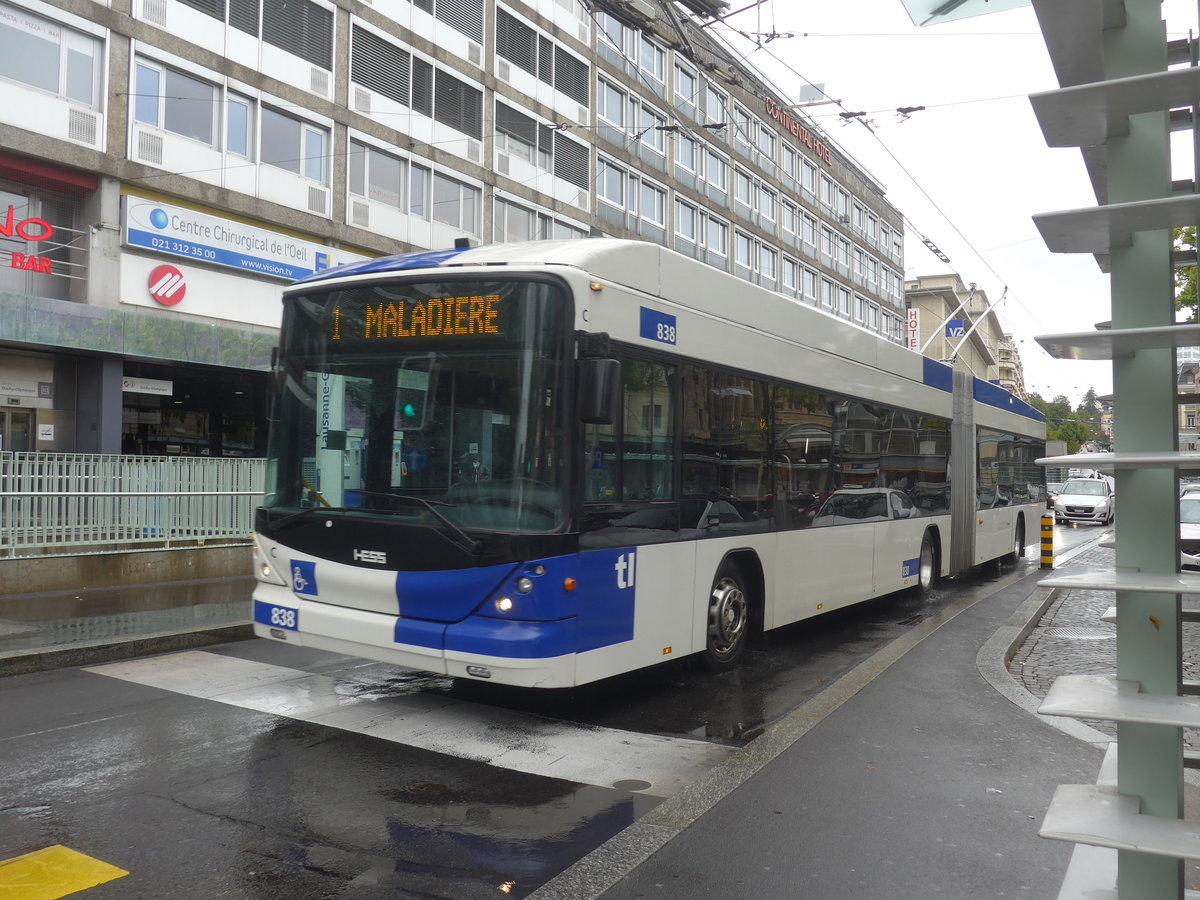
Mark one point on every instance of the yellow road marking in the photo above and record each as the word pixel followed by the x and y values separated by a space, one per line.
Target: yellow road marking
pixel 51 873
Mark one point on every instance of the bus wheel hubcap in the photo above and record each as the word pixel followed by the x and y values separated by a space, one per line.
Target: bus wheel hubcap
pixel 726 616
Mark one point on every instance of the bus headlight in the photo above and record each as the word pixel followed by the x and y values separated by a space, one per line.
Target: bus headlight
pixel 524 584
pixel 504 604
pixel 263 569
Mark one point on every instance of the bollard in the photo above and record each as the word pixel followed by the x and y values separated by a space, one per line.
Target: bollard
pixel 1048 542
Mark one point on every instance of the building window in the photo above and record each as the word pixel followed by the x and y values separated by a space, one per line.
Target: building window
pixel 809 234
pixel 654 205
pixel 686 151
pixel 718 237
pixel 714 106
pixel 766 142
pixel 743 188
pixel 808 176
pixel 294 145
pixel 686 86
pixel 572 161
pixel 375 175
pixel 610 183
pixel 743 250
pixel 610 104
pixel 843 298
pixel 465 16
pixel 768 262
pixel 513 222
pixel 685 221
pixel 744 128
pixel 716 171
pixel 239 113
pixel 529 51
pixel 457 104
pixel 175 102
pixel 809 279
pixel 766 203
pixel 45 55
pixel 516 42
pixel 456 204
pixel 613 35
pixel 301 28
pixel 650 126
pixel 654 60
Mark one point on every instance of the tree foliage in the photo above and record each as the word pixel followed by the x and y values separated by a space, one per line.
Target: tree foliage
pixel 1075 426
pixel 1185 277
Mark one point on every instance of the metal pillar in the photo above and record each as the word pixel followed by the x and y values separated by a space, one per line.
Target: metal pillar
pixel 1150 759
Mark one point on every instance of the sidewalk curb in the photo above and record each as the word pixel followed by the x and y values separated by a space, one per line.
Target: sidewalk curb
pixel 21 663
pixel 997 652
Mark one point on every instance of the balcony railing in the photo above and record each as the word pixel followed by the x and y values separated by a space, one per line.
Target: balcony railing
pixel 72 503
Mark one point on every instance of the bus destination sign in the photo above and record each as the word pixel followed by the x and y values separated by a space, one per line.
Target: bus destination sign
pixel 432 317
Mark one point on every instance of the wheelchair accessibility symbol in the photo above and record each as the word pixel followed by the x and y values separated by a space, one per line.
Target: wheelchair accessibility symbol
pixel 304 577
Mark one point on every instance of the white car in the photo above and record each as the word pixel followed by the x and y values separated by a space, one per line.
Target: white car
pixel 1189 532
pixel 1086 500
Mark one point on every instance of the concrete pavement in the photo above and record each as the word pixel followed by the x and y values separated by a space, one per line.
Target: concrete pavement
pixel 925 772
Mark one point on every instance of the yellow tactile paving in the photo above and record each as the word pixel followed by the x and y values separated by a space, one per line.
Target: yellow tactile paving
pixel 51 873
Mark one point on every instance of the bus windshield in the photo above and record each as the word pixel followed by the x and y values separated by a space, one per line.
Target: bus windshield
pixel 440 402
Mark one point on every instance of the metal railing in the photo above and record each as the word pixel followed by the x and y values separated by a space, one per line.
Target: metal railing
pixel 71 503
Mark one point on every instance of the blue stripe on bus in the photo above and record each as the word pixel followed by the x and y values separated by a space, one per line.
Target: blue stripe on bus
pixel 512 640
pixel 938 375
pixel 397 263
pixel 994 395
pixel 420 634
pixel 449 595
pixel 554 621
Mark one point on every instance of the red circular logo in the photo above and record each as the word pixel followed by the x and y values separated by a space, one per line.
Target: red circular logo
pixel 166 285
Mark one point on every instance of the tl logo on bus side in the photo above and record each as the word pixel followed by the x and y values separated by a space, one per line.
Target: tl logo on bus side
pixel 624 567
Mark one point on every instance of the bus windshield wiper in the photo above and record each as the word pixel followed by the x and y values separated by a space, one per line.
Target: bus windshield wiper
pixel 472 546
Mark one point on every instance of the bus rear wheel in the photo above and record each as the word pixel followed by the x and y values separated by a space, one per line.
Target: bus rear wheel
pixel 728 619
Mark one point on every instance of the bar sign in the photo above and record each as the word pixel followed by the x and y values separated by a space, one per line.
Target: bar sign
pixel 658 326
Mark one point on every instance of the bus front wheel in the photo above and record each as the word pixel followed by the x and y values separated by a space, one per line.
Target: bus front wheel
pixel 728 619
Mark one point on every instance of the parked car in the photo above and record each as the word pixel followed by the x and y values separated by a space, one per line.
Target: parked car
pixel 1053 488
pixel 1086 500
pixel 1189 532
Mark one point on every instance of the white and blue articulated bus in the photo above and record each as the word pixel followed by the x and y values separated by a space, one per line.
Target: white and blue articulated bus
pixel 543 464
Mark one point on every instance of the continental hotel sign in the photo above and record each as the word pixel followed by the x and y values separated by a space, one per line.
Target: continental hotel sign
pixel 799 132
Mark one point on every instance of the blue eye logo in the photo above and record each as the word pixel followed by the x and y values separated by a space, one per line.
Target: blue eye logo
pixel 159 219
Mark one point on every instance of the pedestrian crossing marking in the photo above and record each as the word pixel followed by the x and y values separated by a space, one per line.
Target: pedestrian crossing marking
pixel 504 738
pixel 52 872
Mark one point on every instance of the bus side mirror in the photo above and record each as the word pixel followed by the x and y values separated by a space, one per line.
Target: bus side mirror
pixel 599 389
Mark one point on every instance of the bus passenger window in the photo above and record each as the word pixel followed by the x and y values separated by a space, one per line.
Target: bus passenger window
pixel 648 447
pixel 600 466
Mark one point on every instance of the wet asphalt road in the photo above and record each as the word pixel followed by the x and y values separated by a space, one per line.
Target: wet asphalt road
pixel 256 770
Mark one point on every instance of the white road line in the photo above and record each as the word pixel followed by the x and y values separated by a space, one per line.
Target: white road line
pixel 499 737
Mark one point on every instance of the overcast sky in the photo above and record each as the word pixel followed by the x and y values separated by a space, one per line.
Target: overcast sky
pixel 970 170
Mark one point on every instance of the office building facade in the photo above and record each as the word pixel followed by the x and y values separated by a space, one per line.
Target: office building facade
pixel 166 166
